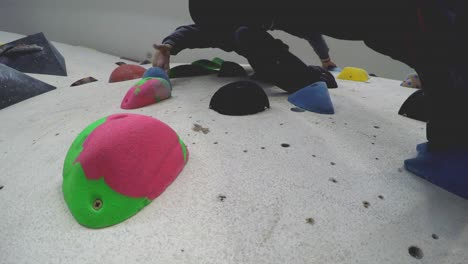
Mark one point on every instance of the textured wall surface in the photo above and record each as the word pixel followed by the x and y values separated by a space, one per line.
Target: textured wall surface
pixel 337 194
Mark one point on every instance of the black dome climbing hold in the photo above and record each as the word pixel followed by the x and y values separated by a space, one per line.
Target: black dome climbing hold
pixel 415 106
pixel 239 98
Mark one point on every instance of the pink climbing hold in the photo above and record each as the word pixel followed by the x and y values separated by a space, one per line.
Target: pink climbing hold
pixel 126 72
pixel 145 92
pixel 137 155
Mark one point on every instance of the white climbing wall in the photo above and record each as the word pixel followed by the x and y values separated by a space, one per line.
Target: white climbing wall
pixel 337 194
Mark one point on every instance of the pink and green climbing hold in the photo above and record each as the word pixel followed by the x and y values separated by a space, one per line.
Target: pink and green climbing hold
pixel 147 91
pixel 118 165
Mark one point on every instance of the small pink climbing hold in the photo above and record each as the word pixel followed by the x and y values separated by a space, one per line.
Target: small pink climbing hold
pixel 145 92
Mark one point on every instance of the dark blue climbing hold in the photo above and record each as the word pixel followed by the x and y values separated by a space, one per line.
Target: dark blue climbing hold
pixel 156 72
pixel 314 98
pixel 415 106
pixel 446 169
pixel 16 86
pixel 47 60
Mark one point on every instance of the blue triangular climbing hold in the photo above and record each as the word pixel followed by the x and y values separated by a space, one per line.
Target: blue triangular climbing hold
pixel 446 169
pixel 314 98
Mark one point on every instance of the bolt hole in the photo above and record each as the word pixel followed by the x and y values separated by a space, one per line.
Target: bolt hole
pixel 284 145
pixel 333 180
pixel 381 197
pixel 332 163
pixel 215 143
pixel 1 187
pixel 415 252
pixel 245 151
pixel 366 204
pixel 262 147
pixel 97 204
pixel 221 197
pixel 434 236
pixel 310 221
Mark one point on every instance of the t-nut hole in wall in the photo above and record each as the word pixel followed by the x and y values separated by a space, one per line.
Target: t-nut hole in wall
pixel 415 252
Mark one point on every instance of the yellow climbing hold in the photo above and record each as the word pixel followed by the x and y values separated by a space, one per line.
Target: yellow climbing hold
pixel 354 74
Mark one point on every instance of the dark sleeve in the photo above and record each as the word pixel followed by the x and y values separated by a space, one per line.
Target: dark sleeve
pixel 193 37
pixel 320 46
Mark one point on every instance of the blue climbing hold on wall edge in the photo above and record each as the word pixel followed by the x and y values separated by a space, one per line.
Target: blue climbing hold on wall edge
pixel 446 169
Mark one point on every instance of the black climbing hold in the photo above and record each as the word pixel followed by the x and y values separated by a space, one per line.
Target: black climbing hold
pixel 297 109
pixel 16 86
pixel 189 70
pixel 145 62
pixel 415 106
pixel 231 69
pixel 35 55
pixel 84 81
pixel 130 59
pixel 239 98
pixel 120 63
pixel 285 145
